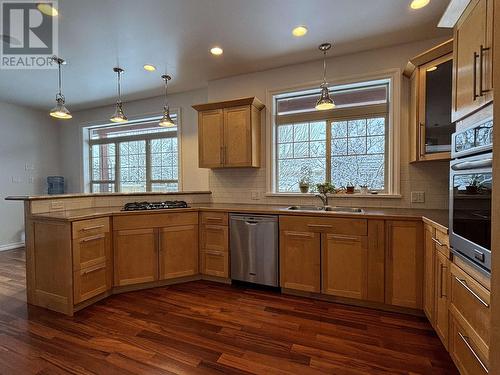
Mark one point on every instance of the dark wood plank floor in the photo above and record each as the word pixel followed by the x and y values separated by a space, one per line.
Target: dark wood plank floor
pixel 207 328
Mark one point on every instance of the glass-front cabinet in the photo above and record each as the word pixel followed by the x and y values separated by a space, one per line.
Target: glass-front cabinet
pixel 430 122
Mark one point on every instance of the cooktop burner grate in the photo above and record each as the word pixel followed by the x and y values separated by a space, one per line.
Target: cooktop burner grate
pixel 143 206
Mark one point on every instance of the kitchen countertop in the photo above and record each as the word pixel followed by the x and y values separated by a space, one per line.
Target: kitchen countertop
pixel 434 217
pixel 90 195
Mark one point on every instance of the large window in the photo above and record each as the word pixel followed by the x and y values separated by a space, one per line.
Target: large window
pixel 346 146
pixel 135 157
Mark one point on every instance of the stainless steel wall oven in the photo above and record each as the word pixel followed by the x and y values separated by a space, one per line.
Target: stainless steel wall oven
pixel 470 195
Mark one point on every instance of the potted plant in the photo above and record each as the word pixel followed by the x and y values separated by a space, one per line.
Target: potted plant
pixel 473 186
pixel 349 189
pixel 363 189
pixel 304 185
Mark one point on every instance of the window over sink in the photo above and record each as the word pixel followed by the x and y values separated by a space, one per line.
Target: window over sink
pixel 137 156
pixel 347 146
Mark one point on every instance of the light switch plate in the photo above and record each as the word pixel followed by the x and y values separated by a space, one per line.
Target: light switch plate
pixel 56 205
pixel 254 195
pixel 417 197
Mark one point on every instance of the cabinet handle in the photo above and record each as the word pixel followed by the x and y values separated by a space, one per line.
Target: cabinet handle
pixel 92 228
pixel 464 284
pixel 482 50
pixel 421 139
pixel 212 218
pixel 437 241
pixel 320 226
pixel 93 238
pixel 474 76
pixel 301 235
pixel 93 269
pixel 442 267
pixel 222 155
pixel 465 339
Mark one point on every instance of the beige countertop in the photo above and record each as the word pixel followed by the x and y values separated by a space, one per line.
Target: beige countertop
pixel 85 195
pixel 435 217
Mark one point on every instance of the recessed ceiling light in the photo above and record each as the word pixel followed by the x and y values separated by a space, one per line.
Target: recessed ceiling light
pixel 418 4
pixel 431 69
pixel 149 67
pixel 48 9
pixel 299 31
pixel 217 51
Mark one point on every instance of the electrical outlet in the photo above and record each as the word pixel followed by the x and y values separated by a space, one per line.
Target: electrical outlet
pixel 17 180
pixel 56 205
pixel 254 195
pixel 417 197
pixel 29 167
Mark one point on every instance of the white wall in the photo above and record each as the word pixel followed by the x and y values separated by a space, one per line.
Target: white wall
pixel 238 185
pixel 27 137
pixel 193 178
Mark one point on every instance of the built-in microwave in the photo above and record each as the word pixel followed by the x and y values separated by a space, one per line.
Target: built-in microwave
pixel 470 195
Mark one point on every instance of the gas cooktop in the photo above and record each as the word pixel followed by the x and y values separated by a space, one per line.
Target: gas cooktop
pixel 142 206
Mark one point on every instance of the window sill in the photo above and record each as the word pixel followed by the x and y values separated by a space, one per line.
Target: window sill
pixel 335 196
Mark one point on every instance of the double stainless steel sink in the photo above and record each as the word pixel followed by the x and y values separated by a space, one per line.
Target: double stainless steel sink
pixel 327 209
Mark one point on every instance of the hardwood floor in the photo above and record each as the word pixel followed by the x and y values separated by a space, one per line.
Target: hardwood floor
pixel 208 328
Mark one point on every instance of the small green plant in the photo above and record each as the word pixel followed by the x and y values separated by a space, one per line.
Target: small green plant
pixel 325 188
pixel 474 181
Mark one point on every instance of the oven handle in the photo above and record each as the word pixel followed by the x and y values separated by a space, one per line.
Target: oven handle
pixel 485 163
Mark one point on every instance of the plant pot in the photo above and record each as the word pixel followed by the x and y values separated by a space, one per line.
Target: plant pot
pixel 363 189
pixel 304 188
pixel 349 189
pixel 471 189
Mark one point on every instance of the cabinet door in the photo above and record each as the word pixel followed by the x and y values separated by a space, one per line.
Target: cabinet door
pixel 345 266
pixel 136 256
pixel 91 281
pixel 210 138
pixel 442 285
pixel 92 250
pixel 471 33
pixel 237 137
pixel 178 251
pixel 404 263
pixel 429 271
pixel 300 255
pixel 214 237
pixel 214 263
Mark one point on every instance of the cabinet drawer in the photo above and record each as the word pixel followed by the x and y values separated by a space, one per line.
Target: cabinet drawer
pixel 90 282
pixel 470 301
pixel 214 263
pixel 214 218
pixel 357 227
pixel 442 237
pixel 154 220
pixel 92 227
pixel 465 351
pixel 214 237
pixel 91 250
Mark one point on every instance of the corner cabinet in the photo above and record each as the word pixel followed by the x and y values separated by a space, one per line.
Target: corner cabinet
pixel 473 59
pixel 430 122
pixel 229 133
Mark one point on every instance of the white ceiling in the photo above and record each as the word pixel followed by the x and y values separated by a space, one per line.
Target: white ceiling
pixel 175 35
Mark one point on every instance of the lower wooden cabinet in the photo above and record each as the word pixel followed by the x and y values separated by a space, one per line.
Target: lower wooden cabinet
pixel 442 276
pixel 404 263
pixel 344 266
pixel 178 251
pixel 136 256
pixel 214 263
pixel 300 261
pixel 91 281
pixel 429 301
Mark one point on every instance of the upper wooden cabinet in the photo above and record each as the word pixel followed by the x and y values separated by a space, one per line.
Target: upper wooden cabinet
pixel 229 133
pixel 430 125
pixel 473 59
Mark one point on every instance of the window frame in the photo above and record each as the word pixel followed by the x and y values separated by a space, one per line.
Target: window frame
pixel 392 114
pixel 147 137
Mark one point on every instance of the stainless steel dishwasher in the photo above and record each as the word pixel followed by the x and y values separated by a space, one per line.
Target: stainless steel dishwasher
pixel 254 248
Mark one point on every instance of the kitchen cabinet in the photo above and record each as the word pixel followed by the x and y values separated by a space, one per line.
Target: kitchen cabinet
pixel 429 273
pixel 229 133
pixel 214 244
pixel 430 125
pixel 345 266
pixel 404 263
pixel 473 59
pixel 300 261
pixel 136 256
pixel 178 251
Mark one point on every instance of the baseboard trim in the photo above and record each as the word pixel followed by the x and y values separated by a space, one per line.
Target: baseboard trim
pixel 11 246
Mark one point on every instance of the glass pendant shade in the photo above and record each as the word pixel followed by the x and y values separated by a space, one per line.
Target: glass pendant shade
pixel 325 102
pixel 60 111
pixel 166 121
pixel 119 116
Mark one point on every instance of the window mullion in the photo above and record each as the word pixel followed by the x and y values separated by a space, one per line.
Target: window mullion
pixel 117 168
pixel 148 165
pixel 328 163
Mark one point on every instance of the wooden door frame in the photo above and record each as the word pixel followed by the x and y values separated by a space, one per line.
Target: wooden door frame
pixel 495 223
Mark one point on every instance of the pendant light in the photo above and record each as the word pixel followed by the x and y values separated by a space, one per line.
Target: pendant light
pixel 119 116
pixel 166 120
pixel 60 111
pixel 324 102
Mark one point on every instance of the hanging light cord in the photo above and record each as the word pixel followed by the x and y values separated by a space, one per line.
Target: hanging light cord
pixel 119 87
pixel 59 94
pixel 166 93
pixel 324 67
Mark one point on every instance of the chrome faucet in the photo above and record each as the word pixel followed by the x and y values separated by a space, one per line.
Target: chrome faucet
pixel 324 199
